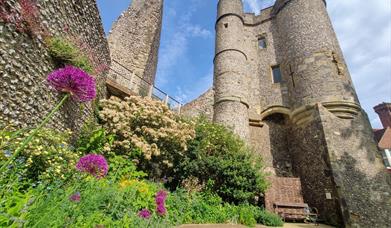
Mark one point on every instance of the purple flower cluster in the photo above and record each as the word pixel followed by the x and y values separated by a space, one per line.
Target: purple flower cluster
pixel 74 81
pixel 75 197
pixel 145 214
pixel 93 164
pixel 160 200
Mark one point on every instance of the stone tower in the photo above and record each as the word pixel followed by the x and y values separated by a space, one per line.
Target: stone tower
pixel 230 83
pixel 134 42
pixel 282 84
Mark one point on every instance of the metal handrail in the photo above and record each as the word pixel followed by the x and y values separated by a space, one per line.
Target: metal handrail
pixel 150 85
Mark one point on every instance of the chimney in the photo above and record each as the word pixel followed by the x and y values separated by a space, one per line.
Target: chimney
pixel 384 112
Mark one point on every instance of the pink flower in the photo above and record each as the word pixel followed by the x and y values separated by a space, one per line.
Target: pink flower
pixel 74 81
pixel 161 209
pixel 161 197
pixel 144 213
pixel 93 164
pixel 160 200
pixel 75 197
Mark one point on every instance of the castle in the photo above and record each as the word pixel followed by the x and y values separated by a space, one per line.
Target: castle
pixel 281 83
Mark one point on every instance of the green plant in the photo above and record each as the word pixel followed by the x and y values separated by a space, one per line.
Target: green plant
pixel 124 169
pixel 46 158
pixel 200 208
pixel 94 139
pixel 13 207
pixel 147 130
pixel 219 160
pixel 268 218
pixel 67 53
pixel 101 202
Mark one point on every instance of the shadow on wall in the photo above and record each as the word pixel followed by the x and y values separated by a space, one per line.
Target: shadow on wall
pixel 279 144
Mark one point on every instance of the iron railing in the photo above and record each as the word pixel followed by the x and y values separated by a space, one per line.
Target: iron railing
pixel 126 78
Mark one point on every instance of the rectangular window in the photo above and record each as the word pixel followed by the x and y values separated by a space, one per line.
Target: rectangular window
pixel 387 157
pixel 262 42
pixel 276 71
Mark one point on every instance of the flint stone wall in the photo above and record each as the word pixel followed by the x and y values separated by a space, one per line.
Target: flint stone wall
pixel 202 106
pixel 25 63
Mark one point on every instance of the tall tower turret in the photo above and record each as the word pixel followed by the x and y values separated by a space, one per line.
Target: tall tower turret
pixel 331 138
pixel 231 88
pixel 311 55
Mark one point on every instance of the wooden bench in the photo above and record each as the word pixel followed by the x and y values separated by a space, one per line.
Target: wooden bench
pixel 296 212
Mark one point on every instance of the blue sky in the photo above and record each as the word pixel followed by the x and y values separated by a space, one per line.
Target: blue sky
pixel 185 68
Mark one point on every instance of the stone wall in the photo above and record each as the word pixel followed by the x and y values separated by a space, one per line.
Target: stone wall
pixel 311 125
pixel 25 62
pixel 202 106
pixel 135 39
pixel 362 183
pixel 311 162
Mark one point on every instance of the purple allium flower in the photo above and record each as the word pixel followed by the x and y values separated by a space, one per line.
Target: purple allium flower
pixel 161 197
pixel 161 209
pixel 93 164
pixel 144 213
pixel 74 81
pixel 75 197
pixel 160 200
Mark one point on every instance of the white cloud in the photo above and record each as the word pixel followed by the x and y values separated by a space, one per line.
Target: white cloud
pixel 197 31
pixel 170 53
pixel 186 95
pixel 364 32
pixel 177 46
pixel 256 5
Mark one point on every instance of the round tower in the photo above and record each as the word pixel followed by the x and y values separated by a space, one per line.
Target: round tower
pixel 310 54
pixel 231 88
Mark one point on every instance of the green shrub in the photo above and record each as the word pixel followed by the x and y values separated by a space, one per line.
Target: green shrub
pixel 148 131
pixel 203 208
pixel 47 158
pixel 220 161
pixel 93 139
pixel 269 219
pixel 67 53
pixel 102 202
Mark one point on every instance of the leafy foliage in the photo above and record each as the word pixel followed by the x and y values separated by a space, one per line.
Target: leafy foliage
pixel 67 53
pixel 47 158
pixel 222 162
pixel 197 208
pixel 147 130
pixel 102 202
pixel 223 174
pixel 94 139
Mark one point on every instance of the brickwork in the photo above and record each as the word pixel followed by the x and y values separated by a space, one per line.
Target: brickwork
pixel 25 63
pixel 283 189
pixel 384 112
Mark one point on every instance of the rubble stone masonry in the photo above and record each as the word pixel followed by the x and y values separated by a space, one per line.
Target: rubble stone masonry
pixel 134 42
pixel 310 124
pixel 25 62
